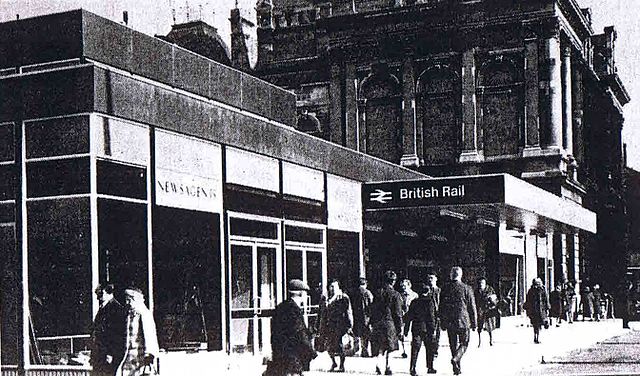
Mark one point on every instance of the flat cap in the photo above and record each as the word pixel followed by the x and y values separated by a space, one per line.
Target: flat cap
pixel 298 285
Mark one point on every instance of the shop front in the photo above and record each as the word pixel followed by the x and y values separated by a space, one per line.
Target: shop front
pixel 494 226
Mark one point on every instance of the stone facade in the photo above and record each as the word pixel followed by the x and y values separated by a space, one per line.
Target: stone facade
pixel 453 87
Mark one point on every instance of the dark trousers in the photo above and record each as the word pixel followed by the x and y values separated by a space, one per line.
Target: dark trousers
pixel 429 340
pixel 458 342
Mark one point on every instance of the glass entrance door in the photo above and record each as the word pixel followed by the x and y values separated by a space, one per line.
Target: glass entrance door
pixel 254 284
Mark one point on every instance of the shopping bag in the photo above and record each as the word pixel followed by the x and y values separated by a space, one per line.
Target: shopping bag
pixel 348 344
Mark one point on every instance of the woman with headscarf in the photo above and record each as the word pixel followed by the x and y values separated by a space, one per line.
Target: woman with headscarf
pixel 142 341
pixel 486 305
pixel 337 320
pixel 537 307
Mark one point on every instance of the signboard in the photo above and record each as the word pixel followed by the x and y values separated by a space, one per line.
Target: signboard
pixel 470 190
pixel 186 191
pixel 343 204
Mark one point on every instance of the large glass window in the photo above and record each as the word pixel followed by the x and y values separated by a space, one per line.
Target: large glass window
pixel 60 291
pixel 9 284
pixel 118 179
pixel 122 235
pixel 255 229
pixel 56 137
pixel 7 142
pixel 7 182
pixel 58 177
pixel 186 283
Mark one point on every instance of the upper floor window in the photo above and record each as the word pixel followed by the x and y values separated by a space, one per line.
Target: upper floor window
pixel 438 114
pixel 381 110
pixel 500 105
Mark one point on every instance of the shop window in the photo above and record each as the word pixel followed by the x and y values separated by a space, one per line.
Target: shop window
pixel 294 264
pixel 122 236
pixel 438 115
pixel 7 213
pixel 314 273
pixel 381 107
pixel 117 179
pixel 10 283
pixel 500 104
pixel 7 182
pixel 253 229
pixel 343 258
pixel 60 291
pixel 56 137
pixel 58 177
pixel 304 234
pixel 7 143
pixel 186 283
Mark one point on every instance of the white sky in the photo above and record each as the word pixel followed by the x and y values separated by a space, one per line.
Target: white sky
pixel 155 17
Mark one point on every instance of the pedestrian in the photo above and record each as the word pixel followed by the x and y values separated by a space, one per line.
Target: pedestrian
pixel 537 307
pixel 458 316
pixel 108 336
pixel 571 301
pixel 586 301
pixel 291 349
pixel 487 308
pixel 386 322
pixel 557 300
pixel 408 295
pixel 597 302
pixel 422 317
pixel 336 322
pixel 432 280
pixel 141 342
pixel 361 303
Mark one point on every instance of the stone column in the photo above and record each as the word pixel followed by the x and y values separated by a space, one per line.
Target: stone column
pixel 351 125
pixel 567 112
pixel 409 151
pixel 470 147
pixel 554 81
pixel 335 105
pixel 532 92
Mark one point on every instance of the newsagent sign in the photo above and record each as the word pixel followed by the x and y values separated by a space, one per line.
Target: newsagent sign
pixel 488 189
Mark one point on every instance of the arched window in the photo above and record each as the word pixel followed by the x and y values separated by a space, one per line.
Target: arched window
pixel 380 106
pixel 500 106
pixel 438 115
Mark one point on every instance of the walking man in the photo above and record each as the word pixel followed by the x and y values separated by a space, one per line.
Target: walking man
pixel 432 279
pixel 423 319
pixel 408 295
pixel 361 301
pixel 108 336
pixel 386 322
pixel 290 338
pixel 458 315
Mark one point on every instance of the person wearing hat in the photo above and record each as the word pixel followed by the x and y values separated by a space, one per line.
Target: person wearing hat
pixel 142 341
pixel 362 299
pixel 108 335
pixel 291 347
pixel 386 322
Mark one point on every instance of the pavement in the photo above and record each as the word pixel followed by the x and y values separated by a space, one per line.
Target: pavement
pixel 513 352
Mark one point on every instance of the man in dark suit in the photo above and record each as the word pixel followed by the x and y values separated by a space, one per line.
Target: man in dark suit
pixel 458 315
pixel 109 333
pixel 290 338
pixel 423 319
pixel 432 280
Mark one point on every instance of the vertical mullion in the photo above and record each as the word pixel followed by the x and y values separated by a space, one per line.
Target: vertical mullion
pixel 151 201
pixel 24 249
pixel 93 202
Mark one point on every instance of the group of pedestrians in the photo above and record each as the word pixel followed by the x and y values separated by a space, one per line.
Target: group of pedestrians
pixel 124 339
pixel 381 320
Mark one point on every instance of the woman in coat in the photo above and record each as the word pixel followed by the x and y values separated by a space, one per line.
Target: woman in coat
pixel 557 300
pixel 537 307
pixel 386 322
pixel 586 300
pixel 336 322
pixel 486 306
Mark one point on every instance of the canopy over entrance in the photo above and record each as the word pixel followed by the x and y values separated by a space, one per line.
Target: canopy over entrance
pixel 495 198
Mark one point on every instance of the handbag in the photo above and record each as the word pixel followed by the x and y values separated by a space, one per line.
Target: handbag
pixel 151 369
pixel 348 344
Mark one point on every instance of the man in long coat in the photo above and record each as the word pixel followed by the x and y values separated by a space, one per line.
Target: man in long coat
pixel 361 301
pixel 290 338
pixel 108 336
pixel 458 315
